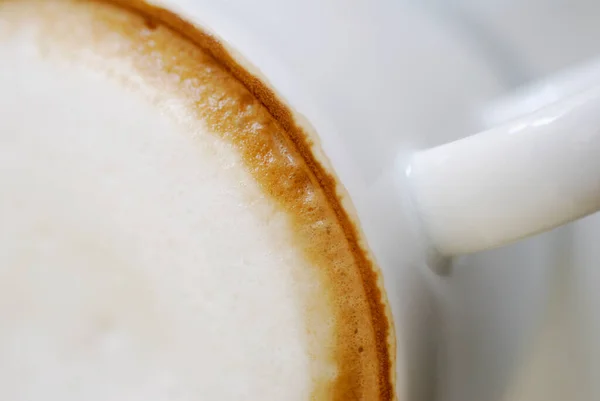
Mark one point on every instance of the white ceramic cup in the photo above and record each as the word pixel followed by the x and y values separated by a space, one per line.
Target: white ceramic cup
pixel 339 63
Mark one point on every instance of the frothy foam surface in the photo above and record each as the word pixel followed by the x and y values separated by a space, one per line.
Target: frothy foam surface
pixel 160 236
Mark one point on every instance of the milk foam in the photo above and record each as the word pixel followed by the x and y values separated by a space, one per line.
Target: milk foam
pixel 138 258
pixel 166 230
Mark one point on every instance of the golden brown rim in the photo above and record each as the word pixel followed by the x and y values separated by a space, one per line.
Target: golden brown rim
pixel 301 140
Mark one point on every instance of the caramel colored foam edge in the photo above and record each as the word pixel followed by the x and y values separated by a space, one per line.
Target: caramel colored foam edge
pixel 267 135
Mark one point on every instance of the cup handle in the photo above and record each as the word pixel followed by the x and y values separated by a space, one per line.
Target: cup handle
pixel 512 181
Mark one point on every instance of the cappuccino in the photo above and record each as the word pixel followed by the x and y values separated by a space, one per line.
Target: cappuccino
pixel 166 232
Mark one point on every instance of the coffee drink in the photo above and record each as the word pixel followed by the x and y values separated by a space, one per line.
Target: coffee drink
pixel 166 230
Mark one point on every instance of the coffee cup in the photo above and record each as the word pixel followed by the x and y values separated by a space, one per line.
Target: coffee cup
pixel 512 181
